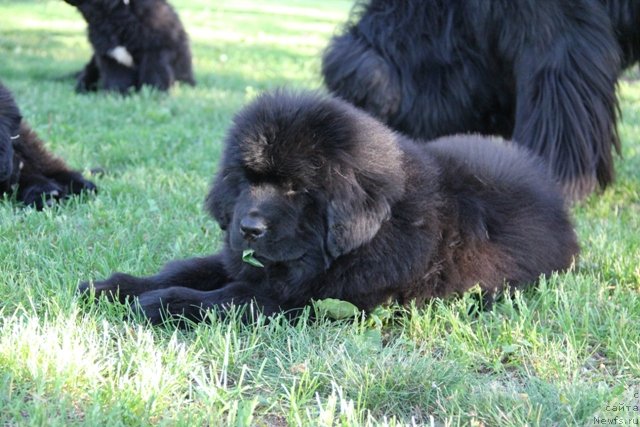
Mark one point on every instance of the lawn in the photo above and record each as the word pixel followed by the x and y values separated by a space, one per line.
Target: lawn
pixel 565 353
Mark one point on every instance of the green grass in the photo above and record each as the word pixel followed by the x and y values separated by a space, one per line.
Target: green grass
pixel 557 355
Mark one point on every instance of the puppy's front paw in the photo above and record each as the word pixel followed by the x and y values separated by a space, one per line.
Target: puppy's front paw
pixel 150 305
pixel 79 184
pixel 84 84
pixel 165 304
pixel 72 182
pixel 41 194
pixel 115 288
pixel 84 289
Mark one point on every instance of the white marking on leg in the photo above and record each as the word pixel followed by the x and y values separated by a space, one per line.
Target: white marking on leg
pixel 122 55
pixel 126 2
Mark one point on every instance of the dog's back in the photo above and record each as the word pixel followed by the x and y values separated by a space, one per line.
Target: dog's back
pixel 508 207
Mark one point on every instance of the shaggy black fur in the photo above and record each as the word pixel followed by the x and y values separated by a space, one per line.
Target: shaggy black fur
pixel 36 176
pixel 135 43
pixel 336 205
pixel 625 16
pixel 542 72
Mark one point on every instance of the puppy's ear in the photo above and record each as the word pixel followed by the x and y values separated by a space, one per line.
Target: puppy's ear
pixel 365 181
pixel 222 197
pixel 354 215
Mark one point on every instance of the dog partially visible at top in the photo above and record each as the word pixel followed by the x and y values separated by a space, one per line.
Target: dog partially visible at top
pixel 542 73
pixel 135 43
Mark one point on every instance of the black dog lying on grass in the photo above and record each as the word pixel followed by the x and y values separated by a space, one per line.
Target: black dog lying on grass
pixel 542 73
pixel 333 204
pixel 37 177
pixel 135 43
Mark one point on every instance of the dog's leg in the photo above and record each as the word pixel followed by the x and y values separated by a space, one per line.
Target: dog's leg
pixel 566 107
pixel 116 76
pixel 72 181
pixel 87 79
pixel 38 191
pixel 155 70
pixel 192 304
pixel 38 165
pixel 203 274
pixel 447 97
pixel 181 65
pixel 355 71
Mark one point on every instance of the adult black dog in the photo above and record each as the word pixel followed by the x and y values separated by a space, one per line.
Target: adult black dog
pixel 540 72
pixel 135 43
pixel 337 205
pixel 37 177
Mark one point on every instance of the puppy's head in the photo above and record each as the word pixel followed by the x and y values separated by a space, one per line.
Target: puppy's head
pixel 305 177
pixel 10 119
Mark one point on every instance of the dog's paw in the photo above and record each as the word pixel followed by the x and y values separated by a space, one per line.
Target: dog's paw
pixel 42 194
pixel 77 184
pixel 84 289
pixel 116 288
pixel 84 85
pixel 150 305
pixel 177 304
pixel 73 182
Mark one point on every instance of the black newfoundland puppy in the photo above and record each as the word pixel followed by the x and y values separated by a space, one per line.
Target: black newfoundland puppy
pixel 542 73
pixel 336 205
pixel 135 43
pixel 36 176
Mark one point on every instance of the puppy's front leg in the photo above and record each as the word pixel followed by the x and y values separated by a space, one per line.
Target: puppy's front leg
pixel 155 70
pixel 116 76
pixel 193 305
pixel 203 274
pixel 87 78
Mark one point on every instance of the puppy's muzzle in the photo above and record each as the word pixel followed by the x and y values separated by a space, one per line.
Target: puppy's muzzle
pixel 252 227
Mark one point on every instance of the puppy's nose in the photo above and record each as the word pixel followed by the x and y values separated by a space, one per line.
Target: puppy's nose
pixel 252 227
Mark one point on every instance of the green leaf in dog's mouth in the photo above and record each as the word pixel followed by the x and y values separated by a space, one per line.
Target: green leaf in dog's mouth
pixel 247 256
